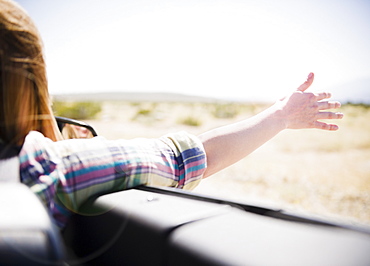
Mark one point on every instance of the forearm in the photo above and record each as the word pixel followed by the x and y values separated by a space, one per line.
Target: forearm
pixel 226 145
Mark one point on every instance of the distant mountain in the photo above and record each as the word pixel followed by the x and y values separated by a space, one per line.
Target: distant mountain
pixel 133 97
pixel 356 91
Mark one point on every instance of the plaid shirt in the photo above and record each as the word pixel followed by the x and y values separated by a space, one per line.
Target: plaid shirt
pixel 65 174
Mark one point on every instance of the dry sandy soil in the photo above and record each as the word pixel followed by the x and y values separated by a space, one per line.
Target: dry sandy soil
pixel 310 171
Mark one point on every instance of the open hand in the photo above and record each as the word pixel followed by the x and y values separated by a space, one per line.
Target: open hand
pixel 303 109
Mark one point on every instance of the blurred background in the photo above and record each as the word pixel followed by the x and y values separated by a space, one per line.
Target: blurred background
pixel 143 68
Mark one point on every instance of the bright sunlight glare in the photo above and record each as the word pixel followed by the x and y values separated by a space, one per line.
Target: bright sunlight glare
pixel 247 50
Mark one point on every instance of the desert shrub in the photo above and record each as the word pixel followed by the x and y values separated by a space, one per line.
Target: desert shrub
pixel 190 121
pixel 77 110
pixel 225 110
pixel 144 112
pixel 362 105
pixel 134 104
pixel 148 114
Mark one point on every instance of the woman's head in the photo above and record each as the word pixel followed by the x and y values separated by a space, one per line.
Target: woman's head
pixel 24 97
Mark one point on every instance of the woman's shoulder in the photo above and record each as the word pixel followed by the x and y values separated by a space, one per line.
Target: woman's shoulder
pixel 35 135
pixel 35 138
pixel 34 143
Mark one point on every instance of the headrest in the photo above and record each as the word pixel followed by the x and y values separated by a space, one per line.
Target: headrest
pixel 9 170
pixel 27 234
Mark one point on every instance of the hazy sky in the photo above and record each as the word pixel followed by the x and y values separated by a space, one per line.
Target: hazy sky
pixel 243 49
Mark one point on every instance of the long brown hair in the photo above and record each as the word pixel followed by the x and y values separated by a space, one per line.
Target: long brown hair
pixel 24 97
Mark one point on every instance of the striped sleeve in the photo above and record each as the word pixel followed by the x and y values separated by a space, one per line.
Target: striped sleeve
pixel 67 173
pixel 190 156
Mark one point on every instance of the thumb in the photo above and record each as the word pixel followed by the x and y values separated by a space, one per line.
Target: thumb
pixel 307 83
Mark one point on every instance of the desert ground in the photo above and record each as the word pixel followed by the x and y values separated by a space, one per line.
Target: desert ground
pixel 312 172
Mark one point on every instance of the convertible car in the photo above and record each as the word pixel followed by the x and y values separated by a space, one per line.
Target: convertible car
pixel 165 226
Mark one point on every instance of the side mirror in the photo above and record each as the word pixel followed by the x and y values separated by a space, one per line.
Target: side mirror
pixel 74 129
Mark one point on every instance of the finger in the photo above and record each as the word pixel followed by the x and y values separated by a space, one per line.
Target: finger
pixel 329 115
pixel 307 83
pixel 325 126
pixel 328 105
pixel 322 95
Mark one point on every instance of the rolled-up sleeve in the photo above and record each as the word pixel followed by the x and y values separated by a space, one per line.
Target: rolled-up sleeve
pixel 67 173
pixel 190 159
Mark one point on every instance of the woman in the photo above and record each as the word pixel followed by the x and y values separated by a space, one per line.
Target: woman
pixel 65 173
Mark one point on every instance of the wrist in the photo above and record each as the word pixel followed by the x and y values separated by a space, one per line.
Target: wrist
pixel 278 115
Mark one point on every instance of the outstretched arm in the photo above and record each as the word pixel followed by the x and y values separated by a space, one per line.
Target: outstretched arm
pixel 226 145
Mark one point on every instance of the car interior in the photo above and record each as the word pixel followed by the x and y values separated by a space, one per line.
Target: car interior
pixel 166 226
